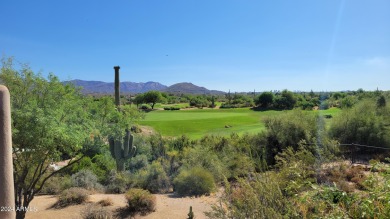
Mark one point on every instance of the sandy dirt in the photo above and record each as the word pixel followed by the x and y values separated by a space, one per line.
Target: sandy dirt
pixel 167 206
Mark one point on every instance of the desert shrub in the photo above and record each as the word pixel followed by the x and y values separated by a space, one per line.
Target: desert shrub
pixel 56 185
pixel 99 165
pixel 296 170
pixel 105 202
pixel 362 124
pixel 324 202
pixel 135 129
pixel 140 201
pixel 240 165
pixel 376 203
pixel 138 162
pixel 195 181
pixel 86 179
pixel 288 130
pixel 84 163
pixel 102 165
pixel 204 157
pixel 227 106
pixel 260 197
pixel 346 186
pixel 95 212
pixel 324 105
pixel 346 177
pixel 172 108
pixel 156 179
pixel 180 143
pixel 354 172
pixel 72 196
pixel 118 183
pixel 157 146
pixel 145 107
pixel 328 116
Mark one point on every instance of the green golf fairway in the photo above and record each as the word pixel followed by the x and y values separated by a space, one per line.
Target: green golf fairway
pixel 196 123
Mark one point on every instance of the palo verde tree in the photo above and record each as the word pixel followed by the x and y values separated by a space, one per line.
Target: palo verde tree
pixel 152 97
pixel 49 124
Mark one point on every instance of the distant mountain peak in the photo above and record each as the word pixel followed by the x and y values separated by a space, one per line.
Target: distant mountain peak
pixel 108 87
pixel 187 87
pixel 100 87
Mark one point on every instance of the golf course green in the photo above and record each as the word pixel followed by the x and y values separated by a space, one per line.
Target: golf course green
pixel 196 123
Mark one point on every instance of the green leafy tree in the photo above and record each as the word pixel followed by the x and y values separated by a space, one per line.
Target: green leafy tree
pixel 286 100
pixel 381 102
pixel 152 97
pixel 348 101
pixel 265 99
pixel 139 99
pixel 49 123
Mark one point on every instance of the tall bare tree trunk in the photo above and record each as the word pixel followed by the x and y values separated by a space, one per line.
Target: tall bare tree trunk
pixel 7 197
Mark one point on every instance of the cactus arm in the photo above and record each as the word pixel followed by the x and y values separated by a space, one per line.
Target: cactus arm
pixel 111 142
pixel 118 149
pixel 131 148
pixel 126 147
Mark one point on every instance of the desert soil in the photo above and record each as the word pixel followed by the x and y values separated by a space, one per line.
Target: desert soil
pixel 167 206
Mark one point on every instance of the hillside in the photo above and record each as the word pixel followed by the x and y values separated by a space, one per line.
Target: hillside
pixel 189 88
pixel 99 87
pixel 108 88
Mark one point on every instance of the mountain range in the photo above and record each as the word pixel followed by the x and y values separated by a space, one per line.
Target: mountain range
pixel 100 87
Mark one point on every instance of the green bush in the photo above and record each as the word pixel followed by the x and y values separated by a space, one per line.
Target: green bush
pixel 56 185
pixel 260 197
pixel 72 196
pixel 140 201
pixel 172 108
pixel 206 158
pixel 196 181
pixel 138 162
pixel 102 165
pixel 156 179
pixel 118 183
pixel 289 129
pixel 145 107
pixel 86 179
pixel 363 124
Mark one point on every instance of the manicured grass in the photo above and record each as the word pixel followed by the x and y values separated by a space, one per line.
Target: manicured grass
pixel 196 123
pixel 180 105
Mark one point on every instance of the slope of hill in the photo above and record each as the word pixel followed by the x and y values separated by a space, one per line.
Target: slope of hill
pixel 189 88
pixel 108 88
pixel 99 87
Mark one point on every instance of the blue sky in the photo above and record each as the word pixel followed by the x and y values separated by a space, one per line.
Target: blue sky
pixel 241 45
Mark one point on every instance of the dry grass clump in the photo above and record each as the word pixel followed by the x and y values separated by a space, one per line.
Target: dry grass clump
pixel 106 202
pixel 347 177
pixel 72 196
pixel 93 211
pixel 140 201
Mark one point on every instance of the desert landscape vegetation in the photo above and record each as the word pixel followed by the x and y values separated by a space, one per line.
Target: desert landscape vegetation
pixel 156 155
pixel 173 109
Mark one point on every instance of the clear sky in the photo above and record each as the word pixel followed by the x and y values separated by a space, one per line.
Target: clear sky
pixel 241 45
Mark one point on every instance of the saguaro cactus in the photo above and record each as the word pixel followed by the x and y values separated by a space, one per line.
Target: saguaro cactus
pixel 121 150
pixel 190 214
pixel 117 86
